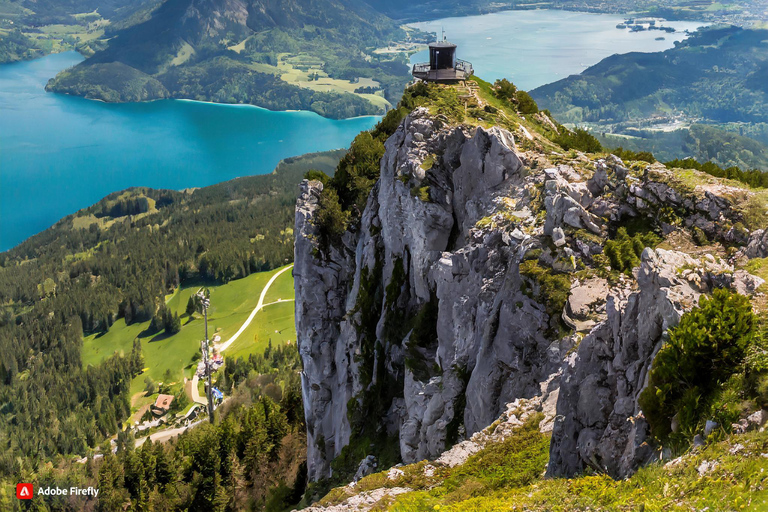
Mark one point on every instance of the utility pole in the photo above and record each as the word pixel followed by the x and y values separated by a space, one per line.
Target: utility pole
pixel 205 302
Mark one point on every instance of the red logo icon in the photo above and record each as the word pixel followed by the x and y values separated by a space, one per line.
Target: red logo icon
pixel 24 491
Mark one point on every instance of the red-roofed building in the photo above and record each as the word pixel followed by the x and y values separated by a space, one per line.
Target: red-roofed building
pixel 162 404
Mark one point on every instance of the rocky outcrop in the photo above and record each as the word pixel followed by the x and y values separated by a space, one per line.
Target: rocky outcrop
pixel 487 340
pixel 757 246
pixel 599 423
pixel 586 304
pixel 443 303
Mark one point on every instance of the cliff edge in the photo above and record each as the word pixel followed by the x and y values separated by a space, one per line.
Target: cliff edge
pixel 489 265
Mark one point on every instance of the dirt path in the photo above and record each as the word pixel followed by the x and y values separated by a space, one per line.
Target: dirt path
pixel 164 435
pixel 222 347
pixel 195 392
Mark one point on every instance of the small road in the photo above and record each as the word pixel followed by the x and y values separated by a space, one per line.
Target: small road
pixel 222 347
pixel 195 392
pixel 164 435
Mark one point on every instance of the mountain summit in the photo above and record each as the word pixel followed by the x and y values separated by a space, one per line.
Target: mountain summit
pixel 471 253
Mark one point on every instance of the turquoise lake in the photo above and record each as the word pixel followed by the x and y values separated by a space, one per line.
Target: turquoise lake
pixel 59 154
pixel 537 47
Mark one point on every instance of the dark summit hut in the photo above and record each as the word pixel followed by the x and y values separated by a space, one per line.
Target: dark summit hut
pixel 443 66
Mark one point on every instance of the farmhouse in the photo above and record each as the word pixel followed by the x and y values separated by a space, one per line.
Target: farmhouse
pixel 161 405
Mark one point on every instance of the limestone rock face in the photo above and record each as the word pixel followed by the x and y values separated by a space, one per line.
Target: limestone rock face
pixel 586 304
pixel 599 423
pixel 490 341
pixel 451 296
pixel 329 381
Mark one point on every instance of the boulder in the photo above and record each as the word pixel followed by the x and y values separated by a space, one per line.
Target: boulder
pixel 367 466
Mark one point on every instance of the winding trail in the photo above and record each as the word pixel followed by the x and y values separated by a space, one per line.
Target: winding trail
pixel 162 436
pixel 196 398
pixel 222 347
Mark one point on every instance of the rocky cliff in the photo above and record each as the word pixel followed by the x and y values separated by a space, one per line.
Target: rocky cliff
pixel 477 275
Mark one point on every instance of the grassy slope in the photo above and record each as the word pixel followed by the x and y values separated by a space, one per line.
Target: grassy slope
pixel 509 475
pixel 230 306
pixel 275 322
pixel 738 482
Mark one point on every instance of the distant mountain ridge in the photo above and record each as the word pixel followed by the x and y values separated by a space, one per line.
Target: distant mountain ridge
pixel 716 77
pixel 207 22
pixel 237 51
pixel 719 75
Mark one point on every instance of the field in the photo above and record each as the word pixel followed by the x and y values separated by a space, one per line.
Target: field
pixel 307 71
pixel 275 322
pixel 231 304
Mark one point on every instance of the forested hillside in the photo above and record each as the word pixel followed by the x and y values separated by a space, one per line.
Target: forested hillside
pixel 701 142
pixel 252 459
pixel 119 258
pixel 298 54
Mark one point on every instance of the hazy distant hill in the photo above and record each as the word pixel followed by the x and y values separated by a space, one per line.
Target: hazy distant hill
pixel 276 54
pixel 716 82
pixel 420 10
pixel 718 75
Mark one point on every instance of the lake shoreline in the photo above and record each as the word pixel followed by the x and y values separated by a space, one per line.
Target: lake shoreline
pixel 205 102
pixel 74 152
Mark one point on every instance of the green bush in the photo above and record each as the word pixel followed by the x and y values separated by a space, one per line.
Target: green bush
pixel 526 104
pixel 316 175
pixel 579 139
pixel 553 289
pixel 624 251
pixel 331 219
pixel 358 171
pixel 641 156
pixel 699 236
pixel 422 193
pixel 688 374
pixel 505 90
pixel 388 125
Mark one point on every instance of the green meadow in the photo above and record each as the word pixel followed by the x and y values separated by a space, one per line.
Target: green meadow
pixel 231 304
